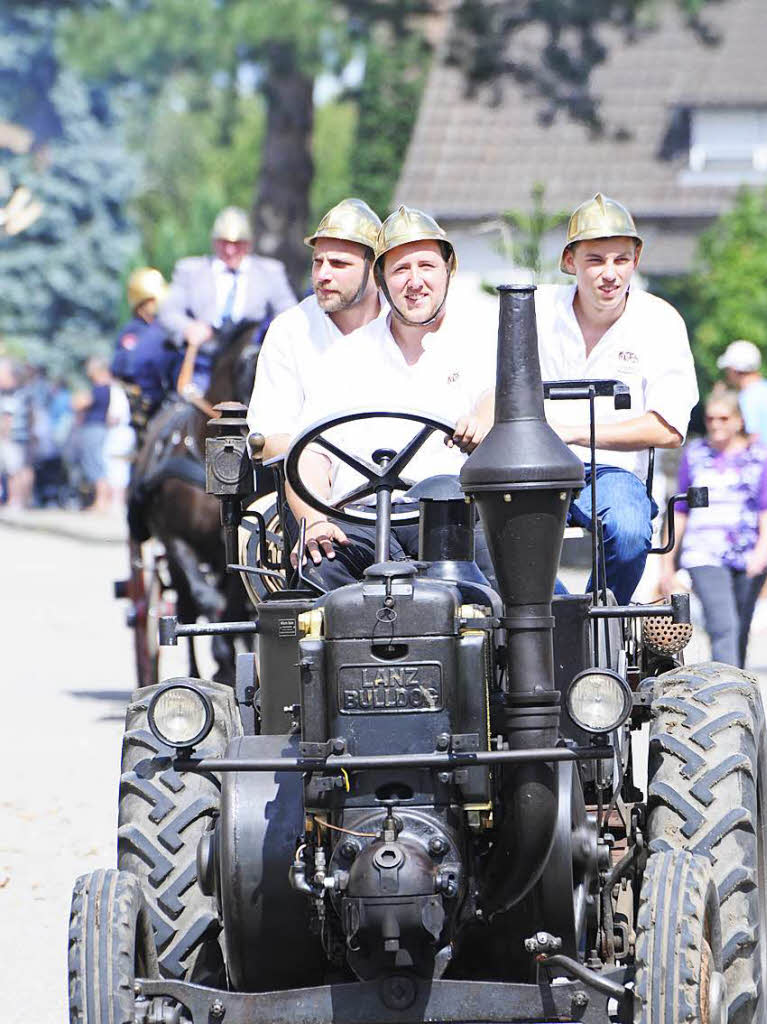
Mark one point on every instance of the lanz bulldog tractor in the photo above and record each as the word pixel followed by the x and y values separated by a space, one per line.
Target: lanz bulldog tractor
pixel 426 799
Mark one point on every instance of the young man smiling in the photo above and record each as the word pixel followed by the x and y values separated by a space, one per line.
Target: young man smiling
pixel 600 327
pixel 423 356
pixel 345 299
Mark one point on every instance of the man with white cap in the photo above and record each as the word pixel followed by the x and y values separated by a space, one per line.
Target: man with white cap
pixel 601 328
pixel 345 299
pixel 742 363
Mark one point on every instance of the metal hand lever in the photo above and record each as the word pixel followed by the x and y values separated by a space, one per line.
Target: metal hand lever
pixel 694 497
pixel 170 629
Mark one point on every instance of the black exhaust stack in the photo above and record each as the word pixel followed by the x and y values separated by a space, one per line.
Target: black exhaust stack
pixel 522 477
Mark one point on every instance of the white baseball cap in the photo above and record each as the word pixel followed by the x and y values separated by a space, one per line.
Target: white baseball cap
pixel 741 356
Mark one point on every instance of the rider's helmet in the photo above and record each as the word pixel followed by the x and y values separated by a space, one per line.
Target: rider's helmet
pixel 409 225
pixel 232 225
pixel 600 217
pixel 351 220
pixel 143 284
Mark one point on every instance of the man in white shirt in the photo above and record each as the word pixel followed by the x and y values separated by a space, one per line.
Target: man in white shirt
pixel 422 357
pixel 345 299
pixel 598 328
pixel 209 293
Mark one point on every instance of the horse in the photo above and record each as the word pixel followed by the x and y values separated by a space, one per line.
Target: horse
pixel 168 502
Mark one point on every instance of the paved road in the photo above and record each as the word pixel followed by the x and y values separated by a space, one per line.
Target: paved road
pixel 68 672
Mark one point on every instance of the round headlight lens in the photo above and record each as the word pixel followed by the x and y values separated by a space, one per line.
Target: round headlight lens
pixel 180 715
pixel 599 700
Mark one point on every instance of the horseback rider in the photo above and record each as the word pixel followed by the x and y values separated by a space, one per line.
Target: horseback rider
pixel 210 294
pixel 144 360
pixel 345 299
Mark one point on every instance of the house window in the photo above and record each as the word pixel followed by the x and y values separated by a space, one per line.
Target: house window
pixel 730 141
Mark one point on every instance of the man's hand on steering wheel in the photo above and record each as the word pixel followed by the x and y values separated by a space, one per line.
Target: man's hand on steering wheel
pixel 469 432
pixel 320 537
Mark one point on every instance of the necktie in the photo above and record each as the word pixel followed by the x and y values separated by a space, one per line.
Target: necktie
pixel 226 312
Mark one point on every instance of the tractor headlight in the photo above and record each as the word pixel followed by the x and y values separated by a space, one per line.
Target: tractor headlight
pixel 599 700
pixel 180 715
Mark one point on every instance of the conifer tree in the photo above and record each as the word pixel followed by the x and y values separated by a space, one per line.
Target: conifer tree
pixel 61 279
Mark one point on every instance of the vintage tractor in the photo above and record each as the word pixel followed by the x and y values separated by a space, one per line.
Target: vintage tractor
pixel 430 800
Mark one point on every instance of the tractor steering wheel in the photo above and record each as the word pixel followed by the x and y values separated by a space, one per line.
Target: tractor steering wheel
pixel 382 472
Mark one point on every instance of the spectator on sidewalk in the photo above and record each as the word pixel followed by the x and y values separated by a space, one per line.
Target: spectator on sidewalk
pixel 723 547
pixel 93 409
pixel 120 443
pixel 742 365
pixel 15 436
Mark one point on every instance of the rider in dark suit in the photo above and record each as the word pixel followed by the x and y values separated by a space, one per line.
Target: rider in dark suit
pixel 208 293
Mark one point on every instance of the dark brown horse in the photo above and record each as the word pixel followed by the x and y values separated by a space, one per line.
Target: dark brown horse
pixel 168 501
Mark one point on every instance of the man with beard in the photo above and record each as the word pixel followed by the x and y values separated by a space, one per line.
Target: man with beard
pixel 421 357
pixel 601 328
pixel 345 299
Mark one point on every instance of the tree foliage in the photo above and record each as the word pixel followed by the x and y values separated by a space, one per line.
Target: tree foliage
pixel 60 280
pixel 553 46
pixel 388 100
pixel 726 291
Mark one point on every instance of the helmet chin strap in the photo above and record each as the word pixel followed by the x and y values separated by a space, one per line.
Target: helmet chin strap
pixel 401 316
pixel 364 282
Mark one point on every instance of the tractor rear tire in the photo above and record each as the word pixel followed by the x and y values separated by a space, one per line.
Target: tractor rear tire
pixel 110 945
pixel 679 950
pixel 706 795
pixel 162 816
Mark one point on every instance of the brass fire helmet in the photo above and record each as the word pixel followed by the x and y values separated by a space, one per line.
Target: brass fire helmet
pixel 351 220
pixel 143 284
pixel 409 225
pixel 232 224
pixel 600 217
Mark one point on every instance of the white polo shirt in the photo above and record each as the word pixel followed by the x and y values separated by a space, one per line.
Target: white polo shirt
pixel 287 368
pixel 646 348
pixel 455 369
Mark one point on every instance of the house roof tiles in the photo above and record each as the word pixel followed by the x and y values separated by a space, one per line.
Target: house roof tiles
pixel 471 159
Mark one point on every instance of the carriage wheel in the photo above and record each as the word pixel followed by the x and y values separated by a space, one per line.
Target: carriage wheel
pixel 148 593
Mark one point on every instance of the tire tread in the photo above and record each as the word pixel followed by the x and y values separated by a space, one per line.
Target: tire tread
pixel 162 816
pixel 706 739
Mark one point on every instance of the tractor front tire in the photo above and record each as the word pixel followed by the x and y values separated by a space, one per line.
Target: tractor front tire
pixel 162 815
pixel 679 952
pixel 110 945
pixel 706 795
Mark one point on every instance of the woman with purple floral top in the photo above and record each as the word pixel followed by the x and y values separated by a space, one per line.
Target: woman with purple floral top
pixel 724 547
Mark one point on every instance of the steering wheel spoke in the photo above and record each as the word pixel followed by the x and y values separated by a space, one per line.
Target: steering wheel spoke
pixel 387 476
pixel 363 491
pixel 406 454
pixel 366 469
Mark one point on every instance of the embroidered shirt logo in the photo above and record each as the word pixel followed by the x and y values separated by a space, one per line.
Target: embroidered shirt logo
pixel 628 358
pixel 453 377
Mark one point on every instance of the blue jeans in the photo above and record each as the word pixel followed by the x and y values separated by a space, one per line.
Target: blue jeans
pixel 626 513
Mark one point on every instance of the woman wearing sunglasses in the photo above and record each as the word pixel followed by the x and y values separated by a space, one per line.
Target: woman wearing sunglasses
pixel 723 547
